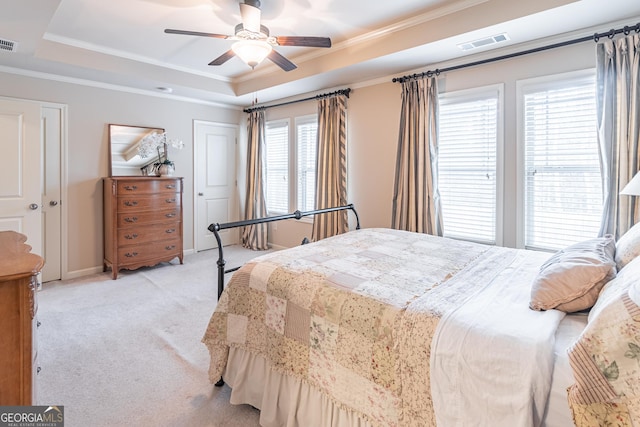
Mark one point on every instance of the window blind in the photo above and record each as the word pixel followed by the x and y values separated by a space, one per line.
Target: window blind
pixel 467 146
pixel 277 167
pixel 306 150
pixel 562 182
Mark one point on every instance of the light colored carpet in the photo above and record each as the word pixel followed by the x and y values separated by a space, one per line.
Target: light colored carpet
pixel 128 352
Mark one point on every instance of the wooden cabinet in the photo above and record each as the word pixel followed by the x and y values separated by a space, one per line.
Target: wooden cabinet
pixel 142 222
pixel 18 308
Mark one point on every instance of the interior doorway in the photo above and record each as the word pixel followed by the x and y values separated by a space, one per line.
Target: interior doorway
pixel 53 190
pixel 214 182
pixel 31 183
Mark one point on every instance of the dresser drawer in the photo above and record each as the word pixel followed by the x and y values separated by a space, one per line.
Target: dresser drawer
pixel 150 186
pixel 139 253
pixel 148 217
pixel 141 203
pixel 148 233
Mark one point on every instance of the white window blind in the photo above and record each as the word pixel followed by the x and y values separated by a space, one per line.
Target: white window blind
pixel 306 150
pixel 467 178
pixel 562 183
pixel 277 167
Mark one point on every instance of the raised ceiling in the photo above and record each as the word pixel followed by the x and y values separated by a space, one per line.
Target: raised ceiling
pixel 121 43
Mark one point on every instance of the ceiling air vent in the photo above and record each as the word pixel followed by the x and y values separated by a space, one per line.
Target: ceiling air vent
pixel 8 45
pixel 484 42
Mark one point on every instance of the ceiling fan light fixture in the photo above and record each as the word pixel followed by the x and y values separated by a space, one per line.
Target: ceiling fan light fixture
pixel 252 52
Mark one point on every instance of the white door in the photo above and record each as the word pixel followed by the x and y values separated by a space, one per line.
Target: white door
pixel 52 123
pixel 20 192
pixel 214 182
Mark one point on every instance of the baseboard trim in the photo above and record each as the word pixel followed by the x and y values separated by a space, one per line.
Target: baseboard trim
pixel 276 247
pixel 99 269
pixel 81 273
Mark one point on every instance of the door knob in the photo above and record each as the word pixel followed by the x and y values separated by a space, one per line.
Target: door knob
pixel 200 194
pixel 33 206
pixel 53 203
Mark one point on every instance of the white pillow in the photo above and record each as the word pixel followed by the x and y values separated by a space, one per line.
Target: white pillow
pixel 634 292
pixel 615 288
pixel 628 246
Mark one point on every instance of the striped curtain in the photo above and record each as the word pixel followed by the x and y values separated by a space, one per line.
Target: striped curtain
pixel 416 200
pixel 331 167
pixel 618 100
pixel 255 236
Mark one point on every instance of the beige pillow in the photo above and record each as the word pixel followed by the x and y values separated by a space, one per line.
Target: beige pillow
pixel 628 246
pixel 572 278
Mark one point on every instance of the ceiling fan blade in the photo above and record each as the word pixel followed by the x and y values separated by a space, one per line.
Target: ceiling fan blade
pixel 223 58
pixel 303 41
pixel 281 61
pixel 251 16
pixel 195 33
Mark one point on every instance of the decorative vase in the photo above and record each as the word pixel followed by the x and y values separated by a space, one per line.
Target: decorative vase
pixel 166 169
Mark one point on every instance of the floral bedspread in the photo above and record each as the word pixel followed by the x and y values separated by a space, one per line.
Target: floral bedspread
pixel 606 365
pixel 353 315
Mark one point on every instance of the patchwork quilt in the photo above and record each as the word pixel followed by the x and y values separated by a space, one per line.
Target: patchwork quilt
pixel 606 364
pixel 353 315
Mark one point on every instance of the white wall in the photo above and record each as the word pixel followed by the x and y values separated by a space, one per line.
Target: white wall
pixel 90 110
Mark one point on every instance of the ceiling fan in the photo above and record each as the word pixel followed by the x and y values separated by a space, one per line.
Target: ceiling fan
pixel 253 43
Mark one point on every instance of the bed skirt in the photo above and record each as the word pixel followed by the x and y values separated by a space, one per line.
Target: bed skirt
pixel 283 400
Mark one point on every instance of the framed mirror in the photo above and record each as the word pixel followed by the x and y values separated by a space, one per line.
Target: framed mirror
pixel 124 141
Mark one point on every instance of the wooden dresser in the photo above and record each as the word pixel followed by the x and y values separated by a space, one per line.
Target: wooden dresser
pixel 142 222
pixel 18 308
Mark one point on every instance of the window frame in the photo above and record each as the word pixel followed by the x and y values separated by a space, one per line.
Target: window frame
pixel 283 122
pixel 292 165
pixel 469 95
pixel 294 202
pixel 524 87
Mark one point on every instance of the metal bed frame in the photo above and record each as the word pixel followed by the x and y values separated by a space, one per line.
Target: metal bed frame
pixel 215 229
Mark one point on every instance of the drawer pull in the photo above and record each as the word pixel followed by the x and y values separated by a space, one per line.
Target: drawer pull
pixel 130 203
pixel 131 219
pixel 170 200
pixel 130 187
pixel 170 230
pixel 131 236
pixel 170 215
pixel 170 247
pixel 131 254
pixel 170 186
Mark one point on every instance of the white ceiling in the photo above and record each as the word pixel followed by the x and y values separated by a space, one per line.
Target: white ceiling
pixel 121 43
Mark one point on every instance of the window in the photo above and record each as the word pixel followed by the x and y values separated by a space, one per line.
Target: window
pixel 306 132
pixel 277 167
pixel 291 165
pixel 467 163
pixel 561 175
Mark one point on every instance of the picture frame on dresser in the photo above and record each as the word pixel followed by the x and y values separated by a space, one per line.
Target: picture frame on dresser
pixel 124 143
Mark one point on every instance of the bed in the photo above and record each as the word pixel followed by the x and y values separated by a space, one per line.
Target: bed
pixel 381 327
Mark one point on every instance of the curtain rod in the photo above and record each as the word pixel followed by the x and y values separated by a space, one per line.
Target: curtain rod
pixel 610 34
pixel 324 95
